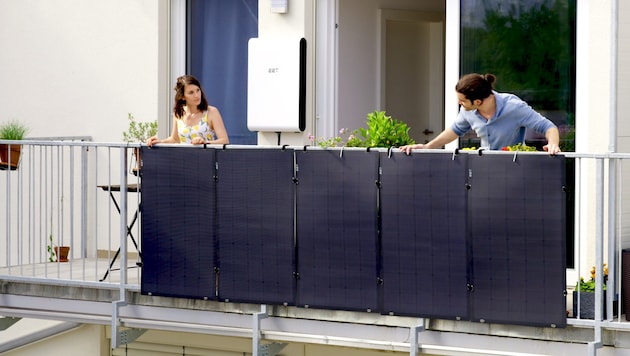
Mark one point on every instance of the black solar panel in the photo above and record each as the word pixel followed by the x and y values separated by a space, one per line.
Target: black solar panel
pixel 518 239
pixel 178 216
pixel 336 229
pixel 255 225
pixel 423 209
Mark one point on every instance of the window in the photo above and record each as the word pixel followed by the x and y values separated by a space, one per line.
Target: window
pixel 216 40
pixel 530 46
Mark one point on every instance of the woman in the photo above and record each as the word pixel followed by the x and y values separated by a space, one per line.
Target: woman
pixel 194 121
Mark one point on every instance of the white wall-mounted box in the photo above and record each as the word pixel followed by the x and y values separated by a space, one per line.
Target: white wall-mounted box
pixel 276 84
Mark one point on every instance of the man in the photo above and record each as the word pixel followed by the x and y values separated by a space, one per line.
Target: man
pixel 499 119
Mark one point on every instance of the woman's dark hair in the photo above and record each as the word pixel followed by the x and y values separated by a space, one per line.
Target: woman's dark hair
pixel 476 86
pixel 180 102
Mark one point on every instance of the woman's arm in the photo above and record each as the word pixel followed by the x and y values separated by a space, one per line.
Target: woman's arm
pixel 216 124
pixel 173 138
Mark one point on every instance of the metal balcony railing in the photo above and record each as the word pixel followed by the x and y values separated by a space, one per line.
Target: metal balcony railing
pixel 67 193
pixel 84 195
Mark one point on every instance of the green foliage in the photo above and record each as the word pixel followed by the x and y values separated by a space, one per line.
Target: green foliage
pixel 381 131
pixel 529 47
pixel 139 131
pixel 586 286
pixel 51 252
pixel 518 147
pixel 13 130
pixel 567 139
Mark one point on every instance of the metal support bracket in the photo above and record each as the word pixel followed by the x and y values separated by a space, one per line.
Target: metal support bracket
pixel 413 337
pixel 271 349
pixel 256 335
pixel 8 322
pixel 122 337
pixel 116 322
pixel 130 335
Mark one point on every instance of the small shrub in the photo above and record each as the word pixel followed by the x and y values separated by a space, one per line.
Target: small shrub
pixel 139 131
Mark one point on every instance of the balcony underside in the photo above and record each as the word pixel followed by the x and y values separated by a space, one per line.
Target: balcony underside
pixel 92 303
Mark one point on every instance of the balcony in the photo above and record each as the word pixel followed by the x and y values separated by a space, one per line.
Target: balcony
pixel 85 195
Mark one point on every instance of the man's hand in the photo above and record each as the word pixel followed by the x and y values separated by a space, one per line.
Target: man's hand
pixel 552 148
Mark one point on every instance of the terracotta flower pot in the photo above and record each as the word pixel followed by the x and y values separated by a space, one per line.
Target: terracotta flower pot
pixel 62 253
pixel 10 156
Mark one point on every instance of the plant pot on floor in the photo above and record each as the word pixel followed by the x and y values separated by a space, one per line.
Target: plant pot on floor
pixel 62 253
pixel 587 305
pixel 10 156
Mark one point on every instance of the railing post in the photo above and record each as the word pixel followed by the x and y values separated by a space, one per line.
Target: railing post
pixel 613 254
pixel 84 201
pixel 599 255
pixel 256 335
pixel 413 340
pixel 116 305
pixel 123 222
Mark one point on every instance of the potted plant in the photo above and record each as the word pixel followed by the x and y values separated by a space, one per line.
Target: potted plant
pixel 139 132
pixel 381 131
pixel 10 153
pixel 57 253
pixel 586 292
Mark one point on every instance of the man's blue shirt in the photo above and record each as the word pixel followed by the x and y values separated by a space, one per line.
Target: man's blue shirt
pixel 506 127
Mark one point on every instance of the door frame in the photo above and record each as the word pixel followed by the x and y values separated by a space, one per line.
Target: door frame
pixel 438 45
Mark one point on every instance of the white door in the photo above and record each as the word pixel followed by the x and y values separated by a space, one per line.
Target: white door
pixel 412 70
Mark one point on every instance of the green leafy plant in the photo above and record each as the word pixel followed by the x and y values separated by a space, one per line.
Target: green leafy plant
pixel 589 286
pixel 13 130
pixel 381 131
pixel 52 257
pixel 518 147
pixel 139 131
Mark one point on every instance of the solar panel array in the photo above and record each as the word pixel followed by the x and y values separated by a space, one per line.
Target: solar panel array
pixel 440 235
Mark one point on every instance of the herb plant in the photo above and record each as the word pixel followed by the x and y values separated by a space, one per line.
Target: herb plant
pixel 139 131
pixel 381 131
pixel 13 130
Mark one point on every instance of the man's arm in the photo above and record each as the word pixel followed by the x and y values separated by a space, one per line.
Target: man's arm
pixel 553 141
pixel 442 139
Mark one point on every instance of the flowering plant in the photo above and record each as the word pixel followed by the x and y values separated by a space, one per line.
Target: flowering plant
pixel 589 286
pixel 345 138
pixel 382 131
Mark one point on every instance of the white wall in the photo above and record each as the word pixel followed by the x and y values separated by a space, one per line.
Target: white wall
pixel 85 340
pixel 623 124
pixel 77 67
pixel 593 48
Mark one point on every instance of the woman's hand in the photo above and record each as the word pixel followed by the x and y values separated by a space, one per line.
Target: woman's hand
pixel 198 141
pixel 152 140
